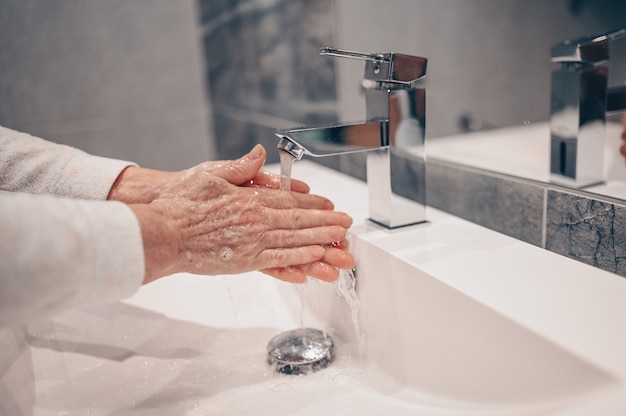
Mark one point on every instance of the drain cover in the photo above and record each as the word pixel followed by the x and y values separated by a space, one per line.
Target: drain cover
pixel 300 351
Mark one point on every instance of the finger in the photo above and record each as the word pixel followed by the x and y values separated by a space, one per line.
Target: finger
pixel 287 274
pixel 284 219
pixel 298 274
pixel 338 258
pixel 297 219
pixel 322 271
pixel 304 237
pixel 244 169
pixel 311 201
pixel 284 257
pixel 280 199
pixel 270 180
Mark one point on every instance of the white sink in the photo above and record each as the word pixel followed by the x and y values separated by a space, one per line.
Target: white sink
pixel 458 320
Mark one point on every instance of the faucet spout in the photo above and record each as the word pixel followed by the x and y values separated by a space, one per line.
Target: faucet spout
pixel 392 134
pixel 331 140
pixel 294 149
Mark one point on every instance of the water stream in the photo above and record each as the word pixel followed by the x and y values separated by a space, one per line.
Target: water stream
pixel 345 284
pixel 286 162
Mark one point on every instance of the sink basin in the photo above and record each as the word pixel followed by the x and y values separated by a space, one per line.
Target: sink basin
pixel 457 320
pixel 434 339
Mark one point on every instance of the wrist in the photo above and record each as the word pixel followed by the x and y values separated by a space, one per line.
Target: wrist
pixel 136 185
pixel 160 240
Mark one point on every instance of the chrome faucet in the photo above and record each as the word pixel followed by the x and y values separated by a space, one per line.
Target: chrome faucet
pixel 580 100
pixel 392 134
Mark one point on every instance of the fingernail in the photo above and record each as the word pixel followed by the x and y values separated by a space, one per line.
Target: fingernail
pixel 256 152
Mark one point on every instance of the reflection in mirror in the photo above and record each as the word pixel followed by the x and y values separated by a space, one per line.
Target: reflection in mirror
pixel 578 108
pixel 489 75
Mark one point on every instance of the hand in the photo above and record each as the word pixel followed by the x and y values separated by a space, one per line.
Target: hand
pixel 137 185
pixel 336 257
pixel 201 222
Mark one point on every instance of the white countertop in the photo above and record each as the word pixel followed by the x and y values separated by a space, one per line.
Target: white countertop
pixel 195 344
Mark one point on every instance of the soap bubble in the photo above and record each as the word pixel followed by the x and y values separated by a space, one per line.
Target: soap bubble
pixel 226 254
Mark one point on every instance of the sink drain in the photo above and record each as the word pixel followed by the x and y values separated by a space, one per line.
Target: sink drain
pixel 300 351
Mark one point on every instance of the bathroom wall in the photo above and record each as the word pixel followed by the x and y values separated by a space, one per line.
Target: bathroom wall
pixel 489 67
pixel 264 71
pixel 488 60
pixel 169 84
pixel 116 78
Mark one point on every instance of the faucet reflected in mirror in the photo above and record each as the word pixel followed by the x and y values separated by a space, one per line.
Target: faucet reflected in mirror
pixel 580 100
pixel 393 135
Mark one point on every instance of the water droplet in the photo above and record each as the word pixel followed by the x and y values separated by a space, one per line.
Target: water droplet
pixel 226 254
pixel 229 232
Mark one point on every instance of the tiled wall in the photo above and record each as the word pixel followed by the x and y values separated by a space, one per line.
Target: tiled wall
pixel 508 205
pixel 264 71
pixel 587 229
pixel 576 224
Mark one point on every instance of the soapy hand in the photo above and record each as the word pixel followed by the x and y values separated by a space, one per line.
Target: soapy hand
pixel 228 217
pixel 336 257
pixel 141 186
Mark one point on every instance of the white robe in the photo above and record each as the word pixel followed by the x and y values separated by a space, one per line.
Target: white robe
pixel 62 245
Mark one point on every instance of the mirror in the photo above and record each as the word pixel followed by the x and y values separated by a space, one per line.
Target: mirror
pixel 489 77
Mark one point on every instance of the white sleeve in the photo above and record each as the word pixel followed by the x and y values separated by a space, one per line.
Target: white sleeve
pixel 59 253
pixel 30 164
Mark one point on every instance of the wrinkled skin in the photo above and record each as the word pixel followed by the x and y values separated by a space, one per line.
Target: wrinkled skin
pixel 228 217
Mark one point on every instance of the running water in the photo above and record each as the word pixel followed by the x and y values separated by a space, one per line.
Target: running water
pixel 286 162
pixel 345 284
pixel 346 287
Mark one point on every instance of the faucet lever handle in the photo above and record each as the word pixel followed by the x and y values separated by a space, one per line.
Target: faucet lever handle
pixel 342 53
pixel 589 49
pixel 390 70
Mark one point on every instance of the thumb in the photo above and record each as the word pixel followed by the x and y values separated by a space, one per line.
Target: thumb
pixel 245 168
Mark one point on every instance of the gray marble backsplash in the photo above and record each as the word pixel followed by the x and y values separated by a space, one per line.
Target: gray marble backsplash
pixel 575 224
pixel 587 229
pixel 504 204
pixel 264 70
pixel 572 223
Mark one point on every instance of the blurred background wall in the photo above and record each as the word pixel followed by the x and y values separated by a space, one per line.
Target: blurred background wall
pixel 488 60
pixel 264 70
pixel 119 78
pixel 171 83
